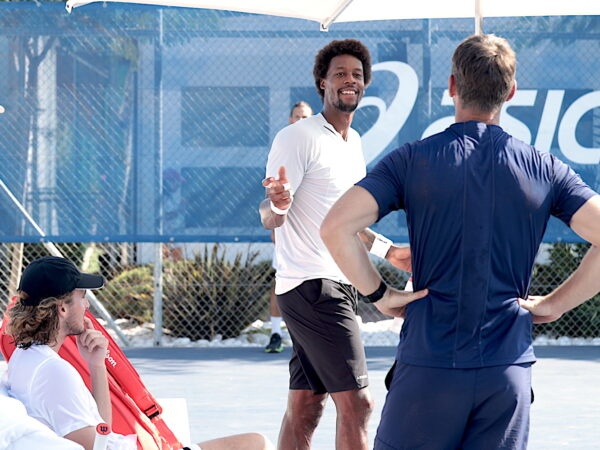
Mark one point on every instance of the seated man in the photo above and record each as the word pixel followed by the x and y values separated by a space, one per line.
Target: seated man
pixel 51 305
pixel 18 431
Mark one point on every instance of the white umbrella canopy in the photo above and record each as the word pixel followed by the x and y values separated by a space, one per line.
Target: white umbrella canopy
pixel 326 12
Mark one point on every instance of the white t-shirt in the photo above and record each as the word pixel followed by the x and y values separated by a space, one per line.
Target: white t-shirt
pixel 54 393
pixel 18 431
pixel 320 166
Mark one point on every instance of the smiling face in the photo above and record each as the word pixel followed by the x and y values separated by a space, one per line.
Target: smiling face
pixel 344 84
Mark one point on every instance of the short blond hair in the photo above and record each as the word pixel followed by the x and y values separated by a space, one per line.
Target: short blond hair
pixel 484 69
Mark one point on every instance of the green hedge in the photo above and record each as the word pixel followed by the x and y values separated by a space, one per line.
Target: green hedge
pixel 211 295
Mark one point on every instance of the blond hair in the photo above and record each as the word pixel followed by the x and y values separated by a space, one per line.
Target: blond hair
pixel 484 69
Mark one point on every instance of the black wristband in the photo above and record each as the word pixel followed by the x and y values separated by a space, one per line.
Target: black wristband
pixel 377 295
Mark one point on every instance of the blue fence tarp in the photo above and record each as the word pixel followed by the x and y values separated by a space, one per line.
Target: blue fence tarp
pixel 116 132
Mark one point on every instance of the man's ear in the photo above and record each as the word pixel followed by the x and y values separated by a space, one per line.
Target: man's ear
pixel 61 308
pixel 512 91
pixel 451 86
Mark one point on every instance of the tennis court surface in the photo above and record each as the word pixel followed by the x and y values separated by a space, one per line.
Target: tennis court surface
pixel 233 390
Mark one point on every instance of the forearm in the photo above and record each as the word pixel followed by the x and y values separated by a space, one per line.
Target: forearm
pixel 367 236
pixel 268 218
pixel 101 392
pixel 341 232
pixel 274 208
pixel 384 248
pixel 352 257
pixel 344 233
pixel 375 243
pixel 350 253
pixel 582 285
pixel 584 282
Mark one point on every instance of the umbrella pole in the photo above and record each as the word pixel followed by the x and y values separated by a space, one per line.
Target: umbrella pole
pixel 478 17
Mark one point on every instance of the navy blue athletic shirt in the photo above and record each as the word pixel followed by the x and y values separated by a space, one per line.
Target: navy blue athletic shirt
pixel 477 202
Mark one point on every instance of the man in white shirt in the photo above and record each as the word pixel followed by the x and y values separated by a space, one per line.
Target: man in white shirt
pixel 50 307
pixel 310 165
pixel 18 431
pixel 300 110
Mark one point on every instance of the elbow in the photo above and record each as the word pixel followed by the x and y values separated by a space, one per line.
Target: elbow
pixel 335 229
pixel 327 231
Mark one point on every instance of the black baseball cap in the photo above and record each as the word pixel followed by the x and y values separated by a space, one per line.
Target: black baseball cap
pixel 51 276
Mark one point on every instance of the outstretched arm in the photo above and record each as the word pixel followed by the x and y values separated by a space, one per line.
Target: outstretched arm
pixel 351 214
pixel 584 282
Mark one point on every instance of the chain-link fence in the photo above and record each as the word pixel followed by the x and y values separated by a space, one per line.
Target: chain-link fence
pixel 220 291
pixel 136 132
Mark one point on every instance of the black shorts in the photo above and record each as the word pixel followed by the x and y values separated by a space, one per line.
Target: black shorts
pixel 327 354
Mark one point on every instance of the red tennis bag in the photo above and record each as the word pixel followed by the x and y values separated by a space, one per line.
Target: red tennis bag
pixel 134 409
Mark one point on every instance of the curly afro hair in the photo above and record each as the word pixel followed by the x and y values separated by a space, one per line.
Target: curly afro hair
pixel 335 48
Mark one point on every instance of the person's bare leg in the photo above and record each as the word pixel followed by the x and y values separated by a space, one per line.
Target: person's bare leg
pixel 246 441
pixel 273 305
pixel 353 410
pixel 304 410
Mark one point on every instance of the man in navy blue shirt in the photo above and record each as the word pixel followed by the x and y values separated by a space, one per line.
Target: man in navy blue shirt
pixel 477 203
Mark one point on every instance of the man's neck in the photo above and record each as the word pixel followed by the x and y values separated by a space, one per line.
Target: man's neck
pixel 58 343
pixel 469 114
pixel 341 121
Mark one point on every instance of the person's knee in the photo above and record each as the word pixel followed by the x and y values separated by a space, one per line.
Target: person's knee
pixel 357 404
pixel 364 402
pixel 261 442
pixel 306 407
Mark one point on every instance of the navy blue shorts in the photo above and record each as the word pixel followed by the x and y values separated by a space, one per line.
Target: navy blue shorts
pixel 327 352
pixel 448 409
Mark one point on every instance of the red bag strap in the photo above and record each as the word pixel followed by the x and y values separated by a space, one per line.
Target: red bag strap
pixel 129 380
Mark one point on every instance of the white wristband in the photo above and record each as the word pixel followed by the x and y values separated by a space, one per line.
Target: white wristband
pixel 380 246
pixel 276 210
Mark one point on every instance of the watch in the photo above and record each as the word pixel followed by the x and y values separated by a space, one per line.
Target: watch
pixel 377 295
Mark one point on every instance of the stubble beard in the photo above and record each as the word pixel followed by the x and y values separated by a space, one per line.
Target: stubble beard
pixel 74 329
pixel 346 107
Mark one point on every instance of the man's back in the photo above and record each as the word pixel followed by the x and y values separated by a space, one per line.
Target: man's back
pixel 477 204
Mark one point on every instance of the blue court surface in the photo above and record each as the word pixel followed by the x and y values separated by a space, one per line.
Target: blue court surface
pixel 234 390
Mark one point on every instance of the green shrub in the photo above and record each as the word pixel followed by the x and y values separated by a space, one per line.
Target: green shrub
pixel 130 294
pixel 213 295
pixel 203 298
